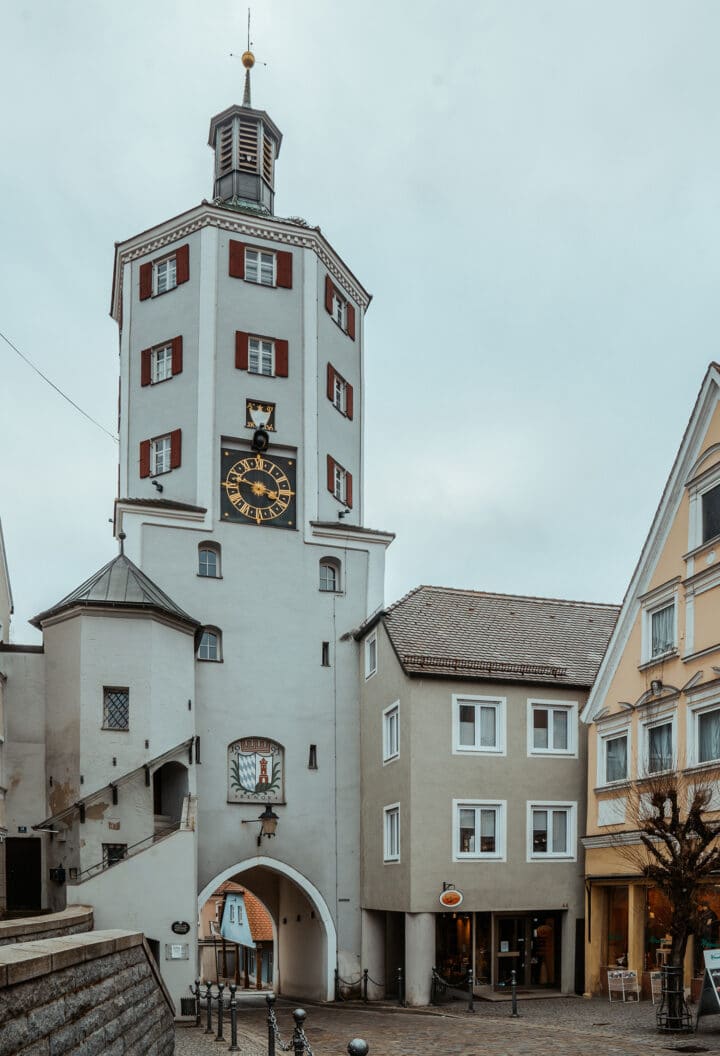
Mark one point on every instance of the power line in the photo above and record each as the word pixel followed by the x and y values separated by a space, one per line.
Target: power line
pixel 54 386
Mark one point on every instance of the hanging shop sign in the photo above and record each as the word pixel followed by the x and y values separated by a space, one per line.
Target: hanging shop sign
pixel 451 898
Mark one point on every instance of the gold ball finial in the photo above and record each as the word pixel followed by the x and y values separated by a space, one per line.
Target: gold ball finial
pixel 248 60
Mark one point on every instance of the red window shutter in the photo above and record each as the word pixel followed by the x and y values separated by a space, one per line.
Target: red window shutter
pixel 281 359
pixel 351 321
pixel 182 264
pixel 284 270
pixel 145 281
pixel 237 259
pixel 348 490
pixel 145 361
pixel 175 448
pixel 330 381
pixel 329 288
pixel 349 401
pixel 177 355
pixel 331 474
pixel 144 458
pixel 241 350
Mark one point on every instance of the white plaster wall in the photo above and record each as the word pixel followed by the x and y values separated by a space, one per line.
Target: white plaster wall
pixel 148 893
pixel 301 953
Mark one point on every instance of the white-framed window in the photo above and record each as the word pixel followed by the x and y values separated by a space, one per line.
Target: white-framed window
pixel 339 483
pixel 210 645
pixel 551 831
pixel 209 560
pixel 657 744
pixel 330 575
pixel 339 310
pixel 164 275
pixel 339 393
pixel 232 912
pixel 370 655
pixel 261 356
pixel 479 829
pixel 479 724
pixel 160 449
pixel 391 833
pixel 710 507
pixel 391 732
pixel 260 266
pixel 552 727
pixel 662 630
pixel 703 732
pixel 659 624
pixel 116 708
pixel 161 362
pixel 613 756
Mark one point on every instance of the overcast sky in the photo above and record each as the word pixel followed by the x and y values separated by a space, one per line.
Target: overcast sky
pixel 529 188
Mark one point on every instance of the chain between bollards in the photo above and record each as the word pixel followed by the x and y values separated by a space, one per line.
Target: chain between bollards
pixel 513 989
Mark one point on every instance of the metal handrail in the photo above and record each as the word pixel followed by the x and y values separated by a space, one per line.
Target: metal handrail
pixel 130 851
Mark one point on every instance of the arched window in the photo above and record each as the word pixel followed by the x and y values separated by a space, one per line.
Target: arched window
pixel 330 574
pixel 209 560
pixel 210 646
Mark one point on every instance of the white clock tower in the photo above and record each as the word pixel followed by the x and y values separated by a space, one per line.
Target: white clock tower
pixel 241 497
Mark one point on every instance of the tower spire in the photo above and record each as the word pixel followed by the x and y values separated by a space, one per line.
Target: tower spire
pixel 248 61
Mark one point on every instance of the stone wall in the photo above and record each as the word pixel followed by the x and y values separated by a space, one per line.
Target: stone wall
pixel 97 993
pixel 71 921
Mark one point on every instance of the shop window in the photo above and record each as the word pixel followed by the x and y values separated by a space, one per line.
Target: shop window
pixel 658 917
pixel 707 936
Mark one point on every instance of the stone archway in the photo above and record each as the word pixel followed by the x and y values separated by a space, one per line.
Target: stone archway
pixel 306 939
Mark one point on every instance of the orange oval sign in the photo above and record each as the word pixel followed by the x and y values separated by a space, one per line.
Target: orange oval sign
pixel 451 898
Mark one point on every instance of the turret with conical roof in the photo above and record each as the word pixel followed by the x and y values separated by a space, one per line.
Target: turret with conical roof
pixel 246 143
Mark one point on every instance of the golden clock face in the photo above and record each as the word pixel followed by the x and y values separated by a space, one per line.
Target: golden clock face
pixel 258 488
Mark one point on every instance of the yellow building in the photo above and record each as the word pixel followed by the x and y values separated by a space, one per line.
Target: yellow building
pixel 655 709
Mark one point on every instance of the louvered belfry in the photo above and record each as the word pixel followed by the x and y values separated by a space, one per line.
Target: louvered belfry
pixel 246 143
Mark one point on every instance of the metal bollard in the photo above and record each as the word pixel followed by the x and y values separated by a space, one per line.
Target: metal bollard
pixel 513 989
pixel 358 1047
pixel 233 1019
pixel 471 994
pixel 270 1001
pixel 298 1036
pixel 401 988
pixel 208 1000
pixel 365 985
pixel 195 991
pixel 221 1009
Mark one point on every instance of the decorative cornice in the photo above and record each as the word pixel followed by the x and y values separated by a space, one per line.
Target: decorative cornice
pixel 255 227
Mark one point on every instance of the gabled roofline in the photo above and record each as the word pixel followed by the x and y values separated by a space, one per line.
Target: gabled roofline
pixel 684 464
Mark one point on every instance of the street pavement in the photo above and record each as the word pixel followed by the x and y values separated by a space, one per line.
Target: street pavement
pixel 559 1027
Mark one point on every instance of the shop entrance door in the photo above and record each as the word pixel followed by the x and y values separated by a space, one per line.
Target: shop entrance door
pixel 529 944
pixel 512 945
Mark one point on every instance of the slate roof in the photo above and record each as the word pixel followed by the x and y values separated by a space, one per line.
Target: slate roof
pixel 472 634
pixel 119 583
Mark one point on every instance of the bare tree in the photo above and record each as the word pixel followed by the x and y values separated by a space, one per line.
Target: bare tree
pixel 677 849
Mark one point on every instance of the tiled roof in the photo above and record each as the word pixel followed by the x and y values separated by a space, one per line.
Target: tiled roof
pixel 508 637
pixel 119 583
pixel 258 917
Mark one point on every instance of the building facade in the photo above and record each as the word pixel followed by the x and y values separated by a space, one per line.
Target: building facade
pixel 474 766
pixel 654 712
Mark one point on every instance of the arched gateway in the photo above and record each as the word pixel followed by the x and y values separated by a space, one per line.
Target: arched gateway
pixel 306 939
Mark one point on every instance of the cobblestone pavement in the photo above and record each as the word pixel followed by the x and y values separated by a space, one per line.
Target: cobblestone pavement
pixel 560 1027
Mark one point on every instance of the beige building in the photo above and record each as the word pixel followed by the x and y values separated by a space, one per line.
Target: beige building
pixel 473 777
pixel 655 707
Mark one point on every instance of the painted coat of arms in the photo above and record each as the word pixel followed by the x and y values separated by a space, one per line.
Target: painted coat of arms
pixel 256 771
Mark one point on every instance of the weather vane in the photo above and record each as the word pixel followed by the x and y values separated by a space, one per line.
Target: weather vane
pixel 248 60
